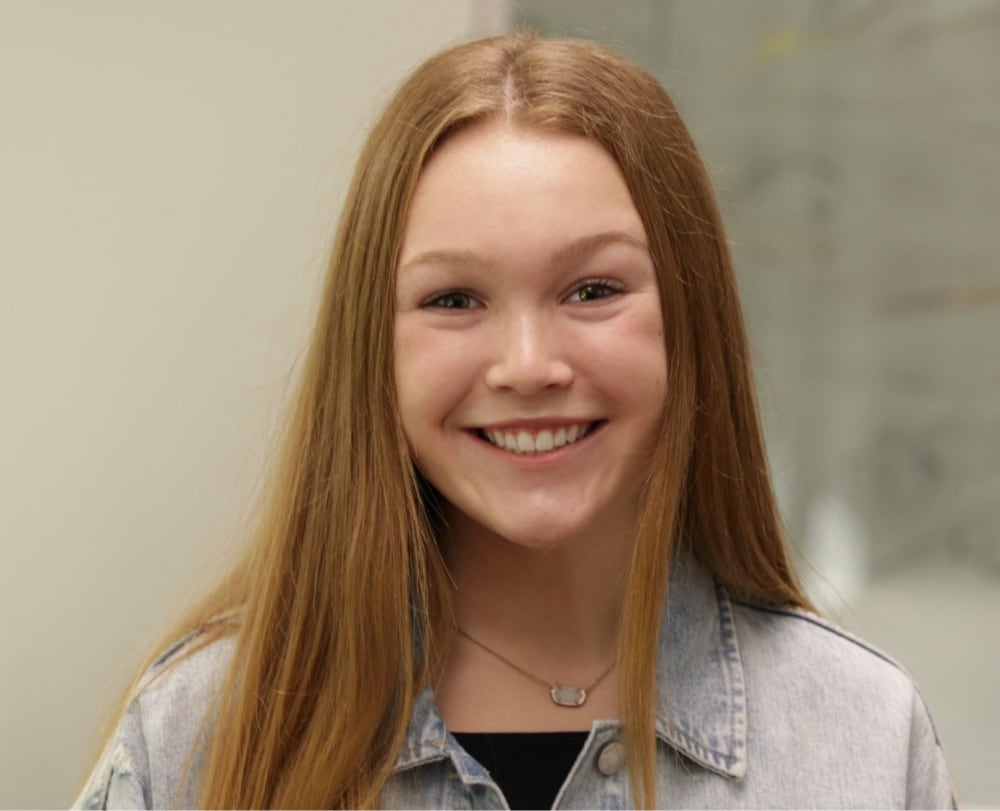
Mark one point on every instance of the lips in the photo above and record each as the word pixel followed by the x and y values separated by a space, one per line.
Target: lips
pixel 529 440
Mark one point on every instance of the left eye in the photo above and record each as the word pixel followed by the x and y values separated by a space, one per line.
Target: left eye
pixel 592 291
pixel 452 300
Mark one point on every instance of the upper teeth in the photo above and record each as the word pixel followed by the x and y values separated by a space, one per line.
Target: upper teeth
pixel 524 441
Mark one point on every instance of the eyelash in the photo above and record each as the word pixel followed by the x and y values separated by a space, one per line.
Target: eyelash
pixel 605 288
pixel 438 298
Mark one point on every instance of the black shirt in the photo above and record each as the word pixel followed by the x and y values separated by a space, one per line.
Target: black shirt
pixel 529 767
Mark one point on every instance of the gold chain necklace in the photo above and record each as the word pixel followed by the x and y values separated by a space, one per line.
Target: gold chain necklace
pixel 562 694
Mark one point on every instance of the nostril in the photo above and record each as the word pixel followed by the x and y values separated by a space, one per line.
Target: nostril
pixel 529 377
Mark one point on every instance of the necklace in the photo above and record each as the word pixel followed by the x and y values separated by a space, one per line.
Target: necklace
pixel 564 695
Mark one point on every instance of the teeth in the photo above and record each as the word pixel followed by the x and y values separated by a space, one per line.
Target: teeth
pixel 543 442
pixel 523 442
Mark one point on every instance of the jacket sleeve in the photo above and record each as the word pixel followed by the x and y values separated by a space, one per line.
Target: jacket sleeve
pixel 928 783
pixel 121 777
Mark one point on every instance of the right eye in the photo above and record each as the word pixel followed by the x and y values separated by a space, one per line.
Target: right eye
pixel 452 300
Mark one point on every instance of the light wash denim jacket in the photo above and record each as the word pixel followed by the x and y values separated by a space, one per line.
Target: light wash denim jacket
pixel 758 708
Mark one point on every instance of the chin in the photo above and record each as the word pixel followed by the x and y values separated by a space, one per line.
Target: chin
pixel 535 544
pixel 541 539
pixel 536 528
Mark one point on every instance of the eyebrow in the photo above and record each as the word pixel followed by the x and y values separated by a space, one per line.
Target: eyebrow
pixel 584 246
pixel 571 252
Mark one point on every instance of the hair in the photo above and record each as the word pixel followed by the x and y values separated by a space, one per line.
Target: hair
pixel 343 598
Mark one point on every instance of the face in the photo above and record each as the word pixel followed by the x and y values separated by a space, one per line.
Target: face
pixel 529 352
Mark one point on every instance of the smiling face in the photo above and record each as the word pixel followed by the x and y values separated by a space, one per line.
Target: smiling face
pixel 529 355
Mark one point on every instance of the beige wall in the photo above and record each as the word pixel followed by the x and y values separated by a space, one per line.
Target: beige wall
pixel 170 173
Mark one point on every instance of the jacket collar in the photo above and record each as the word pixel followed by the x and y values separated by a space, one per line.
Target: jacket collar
pixel 701 707
pixel 701 710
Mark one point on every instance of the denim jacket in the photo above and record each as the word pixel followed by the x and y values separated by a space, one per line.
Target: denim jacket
pixel 758 707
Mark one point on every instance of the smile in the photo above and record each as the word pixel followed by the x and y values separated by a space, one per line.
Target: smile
pixel 526 441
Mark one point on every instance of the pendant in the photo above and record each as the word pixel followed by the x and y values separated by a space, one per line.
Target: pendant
pixel 566 696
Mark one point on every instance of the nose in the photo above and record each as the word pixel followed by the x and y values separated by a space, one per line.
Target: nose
pixel 528 357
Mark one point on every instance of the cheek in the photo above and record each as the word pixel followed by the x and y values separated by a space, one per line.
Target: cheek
pixel 433 373
pixel 633 355
pixel 406 374
pixel 644 379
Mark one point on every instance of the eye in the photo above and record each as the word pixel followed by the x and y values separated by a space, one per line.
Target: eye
pixel 452 300
pixel 594 290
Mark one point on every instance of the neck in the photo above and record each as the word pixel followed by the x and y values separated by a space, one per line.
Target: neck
pixel 560 605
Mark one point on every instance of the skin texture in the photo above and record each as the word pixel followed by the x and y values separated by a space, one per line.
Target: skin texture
pixel 527 301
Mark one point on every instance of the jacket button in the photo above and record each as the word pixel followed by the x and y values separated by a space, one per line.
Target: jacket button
pixel 611 758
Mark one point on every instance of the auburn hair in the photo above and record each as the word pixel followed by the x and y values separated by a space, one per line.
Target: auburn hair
pixel 343 598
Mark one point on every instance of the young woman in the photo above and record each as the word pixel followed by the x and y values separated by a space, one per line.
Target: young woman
pixel 522 548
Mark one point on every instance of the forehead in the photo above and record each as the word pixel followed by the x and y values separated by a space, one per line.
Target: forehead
pixel 499 188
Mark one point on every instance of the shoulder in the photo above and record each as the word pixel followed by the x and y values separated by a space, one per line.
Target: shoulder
pixel 799 643
pixel 185 680
pixel 818 690
pixel 794 658
pixel 156 753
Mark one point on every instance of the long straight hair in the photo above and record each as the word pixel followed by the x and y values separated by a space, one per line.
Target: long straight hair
pixel 343 598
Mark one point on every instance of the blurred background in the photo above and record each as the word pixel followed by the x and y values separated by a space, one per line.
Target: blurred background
pixel 170 177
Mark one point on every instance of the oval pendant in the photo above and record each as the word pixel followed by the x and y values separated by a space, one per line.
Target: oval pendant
pixel 566 696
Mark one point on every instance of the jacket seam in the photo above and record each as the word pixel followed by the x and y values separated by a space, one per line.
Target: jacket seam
pixel 819 622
